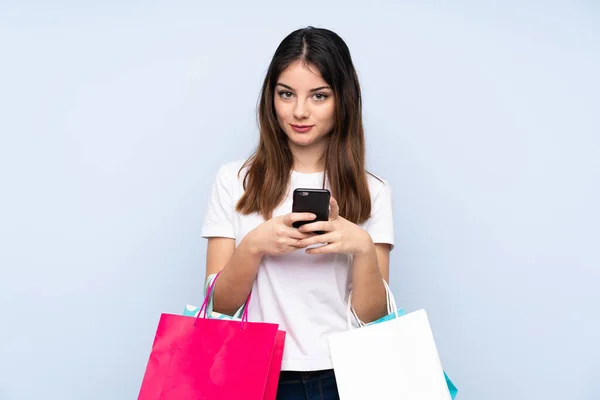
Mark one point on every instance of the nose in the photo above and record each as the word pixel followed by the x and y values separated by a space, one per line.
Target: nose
pixel 301 110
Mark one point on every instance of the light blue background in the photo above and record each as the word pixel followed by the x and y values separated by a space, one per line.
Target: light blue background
pixel 114 117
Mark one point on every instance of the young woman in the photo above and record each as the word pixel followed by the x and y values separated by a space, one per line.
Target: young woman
pixel 311 136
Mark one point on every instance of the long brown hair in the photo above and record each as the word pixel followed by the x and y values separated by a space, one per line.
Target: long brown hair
pixel 267 179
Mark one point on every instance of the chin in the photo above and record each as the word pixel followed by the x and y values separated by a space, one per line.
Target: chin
pixel 302 140
pixel 299 138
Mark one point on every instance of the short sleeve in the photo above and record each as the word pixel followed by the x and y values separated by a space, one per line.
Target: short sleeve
pixel 218 218
pixel 381 224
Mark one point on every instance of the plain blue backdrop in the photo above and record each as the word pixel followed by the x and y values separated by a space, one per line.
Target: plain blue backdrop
pixel 484 117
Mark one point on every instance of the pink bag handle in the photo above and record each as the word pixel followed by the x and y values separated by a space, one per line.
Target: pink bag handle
pixel 204 307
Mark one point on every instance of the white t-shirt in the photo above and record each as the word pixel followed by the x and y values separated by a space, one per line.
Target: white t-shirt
pixel 305 294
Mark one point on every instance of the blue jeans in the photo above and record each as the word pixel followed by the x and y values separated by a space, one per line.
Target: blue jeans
pixel 314 385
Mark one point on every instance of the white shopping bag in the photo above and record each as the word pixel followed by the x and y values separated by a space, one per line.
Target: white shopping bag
pixel 392 360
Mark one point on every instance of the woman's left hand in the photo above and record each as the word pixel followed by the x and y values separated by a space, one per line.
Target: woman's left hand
pixel 341 235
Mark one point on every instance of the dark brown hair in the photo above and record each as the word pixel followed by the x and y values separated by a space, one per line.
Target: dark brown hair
pixel 268 176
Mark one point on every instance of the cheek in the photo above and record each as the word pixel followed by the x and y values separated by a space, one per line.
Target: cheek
pixel 277 106
pixel 326 114
pixel 281 109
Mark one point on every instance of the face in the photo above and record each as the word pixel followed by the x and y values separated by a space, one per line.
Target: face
pixel 305 106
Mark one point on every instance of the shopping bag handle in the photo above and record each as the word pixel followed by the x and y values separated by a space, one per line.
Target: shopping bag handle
pixel 392 308
pixel 204 308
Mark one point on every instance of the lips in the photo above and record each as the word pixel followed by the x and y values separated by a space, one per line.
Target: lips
pixel 301 128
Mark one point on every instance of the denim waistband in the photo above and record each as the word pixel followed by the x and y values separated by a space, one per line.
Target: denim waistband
pixel 305 375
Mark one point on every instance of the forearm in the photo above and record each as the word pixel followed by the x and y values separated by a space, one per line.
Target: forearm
pixel 368 290
pixel 236 279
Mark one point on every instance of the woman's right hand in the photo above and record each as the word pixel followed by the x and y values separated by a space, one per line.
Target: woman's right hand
pixel 277 236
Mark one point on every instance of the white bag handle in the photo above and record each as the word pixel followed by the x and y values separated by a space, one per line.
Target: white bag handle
pixel 209 308
pixel 392 308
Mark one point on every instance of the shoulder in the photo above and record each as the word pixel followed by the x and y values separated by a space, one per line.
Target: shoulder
pixel 377 185
pixel 232 167
pixel 231 171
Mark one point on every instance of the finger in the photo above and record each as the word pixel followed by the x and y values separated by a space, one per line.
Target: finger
pixel 317 239
pixel 324 226
pixel 294 233
pixel 295 244
pixel 327 249
pixel 285 245
pixel 334 208
pixel 289 219
pixel 287 249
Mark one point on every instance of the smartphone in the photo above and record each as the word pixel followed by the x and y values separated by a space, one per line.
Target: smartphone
pixel 314 201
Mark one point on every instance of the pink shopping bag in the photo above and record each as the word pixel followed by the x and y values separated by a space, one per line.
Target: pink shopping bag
pixel 213 359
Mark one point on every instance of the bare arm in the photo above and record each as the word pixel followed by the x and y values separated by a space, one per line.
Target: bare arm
pixel 238 270
pixel 369 268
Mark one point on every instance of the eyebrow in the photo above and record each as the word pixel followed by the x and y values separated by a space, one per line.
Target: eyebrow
pixel 312 90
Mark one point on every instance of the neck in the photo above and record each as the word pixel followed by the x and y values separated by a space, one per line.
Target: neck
pixel 309 159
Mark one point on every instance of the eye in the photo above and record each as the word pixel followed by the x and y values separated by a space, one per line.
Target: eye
pixel 321 96
pixel 285 94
